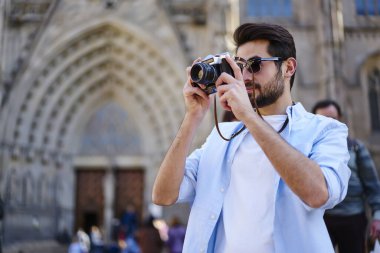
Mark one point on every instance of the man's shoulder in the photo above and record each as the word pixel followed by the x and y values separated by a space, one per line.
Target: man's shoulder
pixel 323 121
pixel 314 127
pixel 301 115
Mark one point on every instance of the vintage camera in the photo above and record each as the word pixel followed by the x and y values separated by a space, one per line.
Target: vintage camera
pixel 208 70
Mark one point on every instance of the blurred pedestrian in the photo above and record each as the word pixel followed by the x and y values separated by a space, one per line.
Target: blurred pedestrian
pixel 148 237
pixel 76 246
pixel 96 240
pixel 129 220
pixel 83 239
pixel 347 222
pixel 63 237
pixel 131 245
pixel 176 236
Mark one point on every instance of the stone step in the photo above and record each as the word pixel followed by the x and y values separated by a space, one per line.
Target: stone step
pixel 36 247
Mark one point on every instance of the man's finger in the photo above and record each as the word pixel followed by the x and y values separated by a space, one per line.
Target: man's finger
pixel 196 91
pixel 224 103
pixel 237 71
pixel 224 78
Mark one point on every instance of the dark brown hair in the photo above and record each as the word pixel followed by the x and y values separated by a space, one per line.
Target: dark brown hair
pixel 281 43
pixel 326 103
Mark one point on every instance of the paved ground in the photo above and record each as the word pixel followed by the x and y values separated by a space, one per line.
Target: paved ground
pixel 36 247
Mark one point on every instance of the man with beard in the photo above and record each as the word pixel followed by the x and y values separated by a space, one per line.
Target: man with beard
pixel 265 190
pixel 347 222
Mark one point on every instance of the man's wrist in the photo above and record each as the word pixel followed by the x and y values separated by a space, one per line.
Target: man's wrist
pixel 250 116
pixel 194 117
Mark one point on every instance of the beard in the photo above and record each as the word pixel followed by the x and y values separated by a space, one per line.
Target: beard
pixel 268 93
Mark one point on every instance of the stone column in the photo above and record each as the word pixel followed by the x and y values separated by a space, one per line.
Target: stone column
pixel 109 195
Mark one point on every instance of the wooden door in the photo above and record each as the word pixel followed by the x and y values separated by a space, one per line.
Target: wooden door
pixel 89 199
pixel 129 190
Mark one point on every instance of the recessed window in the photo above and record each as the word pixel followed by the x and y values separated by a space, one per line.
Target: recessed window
pixel 368 7
pixel 269 8
pixel 374 98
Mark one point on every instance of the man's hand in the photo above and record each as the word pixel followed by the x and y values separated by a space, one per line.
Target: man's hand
pixel 197 101
pixel 170 175
pixel 233 93
pixel 375 229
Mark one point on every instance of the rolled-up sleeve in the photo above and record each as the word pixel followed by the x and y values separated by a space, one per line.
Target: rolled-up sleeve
pixel 189 181
pixel 331 153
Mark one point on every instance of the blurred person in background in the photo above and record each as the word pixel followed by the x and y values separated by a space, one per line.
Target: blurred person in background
pixel 83 239
pixel 96 240
pixel 129 220
pixel 176 236
pixel 347 221
pixel 76 246
pixel 148 237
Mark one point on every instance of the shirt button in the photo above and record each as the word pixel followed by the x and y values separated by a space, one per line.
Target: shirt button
pixel 221 189
pixel 212 217
pixel 202 250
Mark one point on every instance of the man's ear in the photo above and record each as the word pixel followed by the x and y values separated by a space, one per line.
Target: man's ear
pixel 291 66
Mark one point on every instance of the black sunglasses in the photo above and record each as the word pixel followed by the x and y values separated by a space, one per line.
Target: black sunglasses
pixel 253 64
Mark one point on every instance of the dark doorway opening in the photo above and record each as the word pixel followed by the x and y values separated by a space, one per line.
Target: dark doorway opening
pixel 90 219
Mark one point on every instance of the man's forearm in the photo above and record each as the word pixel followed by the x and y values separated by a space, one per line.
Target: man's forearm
pixel 170 175
pixel 300 173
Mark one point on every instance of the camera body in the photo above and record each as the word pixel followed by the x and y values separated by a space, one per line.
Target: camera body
pixel 208 70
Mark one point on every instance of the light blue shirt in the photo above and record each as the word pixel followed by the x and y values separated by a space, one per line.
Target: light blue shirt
pixel 297 226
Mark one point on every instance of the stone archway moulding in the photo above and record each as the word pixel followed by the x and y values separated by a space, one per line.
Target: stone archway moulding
pixel 81 64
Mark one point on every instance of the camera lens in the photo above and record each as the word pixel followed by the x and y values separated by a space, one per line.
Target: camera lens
pixel 203 73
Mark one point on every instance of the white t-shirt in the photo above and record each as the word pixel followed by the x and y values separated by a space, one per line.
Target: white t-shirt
pixel 246 223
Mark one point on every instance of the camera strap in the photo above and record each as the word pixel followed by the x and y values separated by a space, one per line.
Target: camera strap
pixel 244 127
pixel 217 125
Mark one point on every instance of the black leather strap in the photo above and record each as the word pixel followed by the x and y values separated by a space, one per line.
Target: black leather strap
pixel 244 127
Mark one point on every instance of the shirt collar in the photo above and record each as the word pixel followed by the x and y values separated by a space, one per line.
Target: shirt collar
pixel 294 113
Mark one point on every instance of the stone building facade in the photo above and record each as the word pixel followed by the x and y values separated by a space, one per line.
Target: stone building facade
pixel 91 94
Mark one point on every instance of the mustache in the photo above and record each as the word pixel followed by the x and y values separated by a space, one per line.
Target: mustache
pixel 251 83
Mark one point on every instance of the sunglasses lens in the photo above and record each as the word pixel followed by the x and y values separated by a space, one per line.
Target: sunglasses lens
pixel 254 67
pixel 241 66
